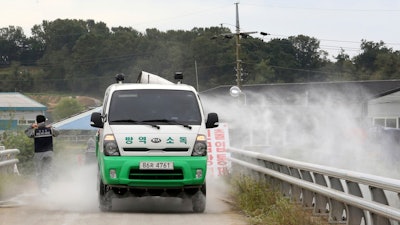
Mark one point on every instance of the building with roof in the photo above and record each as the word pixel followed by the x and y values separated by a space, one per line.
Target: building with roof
pixel 17 110
pixel 80 121
pixel 77 129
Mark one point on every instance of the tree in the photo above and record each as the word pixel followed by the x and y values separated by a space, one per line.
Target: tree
pixel 59 37
pixel 254 56
pixel 83 56
pixel 344 68
pixel 89 60
pixel 32 51
pixel 12 43
pixel 67 107
pixel 263 73
pixel 370 51
pixel 282 58
pixel 215 57
pixel 308 56
pixel 376 61
pixel 387 66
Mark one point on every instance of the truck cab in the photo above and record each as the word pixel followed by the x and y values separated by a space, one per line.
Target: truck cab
pixel 152 141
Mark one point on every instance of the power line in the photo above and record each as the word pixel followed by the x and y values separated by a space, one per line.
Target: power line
pixel 377 10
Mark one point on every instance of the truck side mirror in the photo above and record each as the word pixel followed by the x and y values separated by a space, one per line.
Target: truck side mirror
pixel 212 120
pixel 96 120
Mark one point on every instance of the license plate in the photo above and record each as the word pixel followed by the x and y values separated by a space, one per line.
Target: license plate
pixel 156 166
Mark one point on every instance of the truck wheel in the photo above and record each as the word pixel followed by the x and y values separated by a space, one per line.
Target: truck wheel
pixel 199 200
pixel 104 201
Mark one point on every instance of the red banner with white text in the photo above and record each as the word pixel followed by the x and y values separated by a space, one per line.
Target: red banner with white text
pixel 218 141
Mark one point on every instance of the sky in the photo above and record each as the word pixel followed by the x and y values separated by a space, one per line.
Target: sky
pixel 337 24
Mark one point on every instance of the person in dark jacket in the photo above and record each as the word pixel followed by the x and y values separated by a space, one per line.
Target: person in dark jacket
pixel 43 157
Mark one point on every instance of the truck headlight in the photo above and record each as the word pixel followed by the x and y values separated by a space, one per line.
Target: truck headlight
pixel 110 146
pixel 200 146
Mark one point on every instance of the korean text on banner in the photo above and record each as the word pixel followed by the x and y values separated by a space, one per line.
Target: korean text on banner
pixel 218 141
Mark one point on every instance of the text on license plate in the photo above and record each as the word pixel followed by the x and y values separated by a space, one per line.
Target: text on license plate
pixel 156 166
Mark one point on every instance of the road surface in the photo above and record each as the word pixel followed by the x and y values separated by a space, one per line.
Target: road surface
pixel 72 200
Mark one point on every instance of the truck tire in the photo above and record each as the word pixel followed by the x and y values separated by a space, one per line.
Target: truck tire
pixel 199 200
pixel 105 203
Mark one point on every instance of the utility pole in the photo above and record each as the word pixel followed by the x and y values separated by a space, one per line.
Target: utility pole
pixel 238 61
pixel 197 76
pixel 238 35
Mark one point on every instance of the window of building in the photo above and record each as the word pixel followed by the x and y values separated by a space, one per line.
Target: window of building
pixel 25 122
pixel 391 122
pixel 22 122
pixel 379 122
pixel 386 122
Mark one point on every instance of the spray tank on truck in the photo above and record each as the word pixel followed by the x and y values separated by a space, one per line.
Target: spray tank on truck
pixel 152 141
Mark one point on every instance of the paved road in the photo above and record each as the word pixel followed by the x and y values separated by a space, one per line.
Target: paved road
pixel 73 201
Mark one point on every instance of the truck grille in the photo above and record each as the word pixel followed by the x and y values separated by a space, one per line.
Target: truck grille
pixel 137 174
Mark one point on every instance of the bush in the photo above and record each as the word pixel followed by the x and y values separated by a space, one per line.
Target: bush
pixel 66 108
pixel 265 206
pixel 18 139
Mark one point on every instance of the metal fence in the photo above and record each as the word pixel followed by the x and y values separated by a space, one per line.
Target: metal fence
pixel 8 160
pixel 76 139
pixel 346 197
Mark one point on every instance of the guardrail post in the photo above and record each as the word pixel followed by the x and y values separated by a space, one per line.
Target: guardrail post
pixel 336 208
pixel 295 190
pixel 271 180
pixel 320 200
pixel 275 183
pixel 307 196
pixel 378 195
pixel 8 160
pixel 285 187
pixel 355 215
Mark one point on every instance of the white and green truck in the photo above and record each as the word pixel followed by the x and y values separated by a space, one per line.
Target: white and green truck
pixel 152 141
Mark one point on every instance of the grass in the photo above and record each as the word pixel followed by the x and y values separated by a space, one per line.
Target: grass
pixel 263 206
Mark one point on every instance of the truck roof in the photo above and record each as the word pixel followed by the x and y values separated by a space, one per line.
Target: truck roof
pixel 133 86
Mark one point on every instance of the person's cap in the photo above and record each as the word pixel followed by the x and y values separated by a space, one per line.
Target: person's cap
pixel 40 118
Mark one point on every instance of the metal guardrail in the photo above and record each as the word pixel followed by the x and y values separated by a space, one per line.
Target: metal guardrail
pixel 346 197
pixel 8 164
pixel 78 139
pixel 8 159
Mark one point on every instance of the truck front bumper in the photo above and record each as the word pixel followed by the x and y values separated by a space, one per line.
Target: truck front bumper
pixel 124 171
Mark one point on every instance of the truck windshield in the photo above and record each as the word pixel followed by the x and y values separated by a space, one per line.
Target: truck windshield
pixel 154 106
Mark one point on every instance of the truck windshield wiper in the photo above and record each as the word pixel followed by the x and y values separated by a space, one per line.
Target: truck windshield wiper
pixel 137 122
pixel 170 122
pixel 125 120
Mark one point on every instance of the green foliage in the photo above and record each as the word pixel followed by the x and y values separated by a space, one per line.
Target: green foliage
pixel 263 73
pixel 67 107
pixel 18 140
pixel 265 206
pixel 82 56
